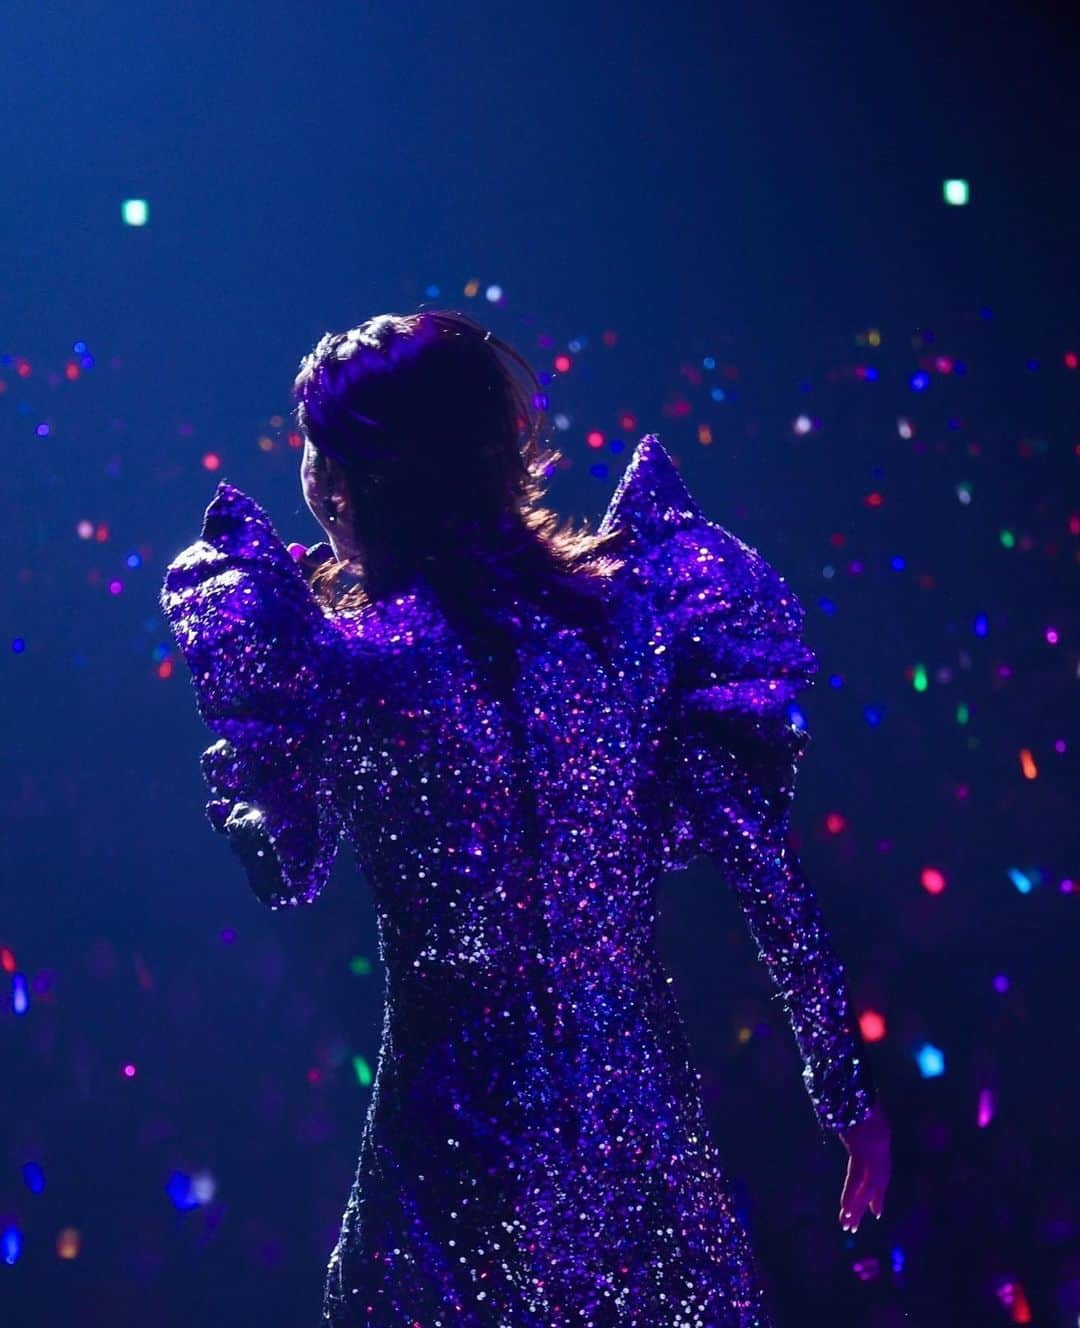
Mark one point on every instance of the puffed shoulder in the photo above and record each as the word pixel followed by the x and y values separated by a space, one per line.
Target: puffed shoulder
pixel 733 623
pixel 651 500
pixel 238 537
pixel 729 629
pixel 263 659
pixel 244 616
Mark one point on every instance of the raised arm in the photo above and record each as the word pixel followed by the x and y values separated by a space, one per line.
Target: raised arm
pixel 264 664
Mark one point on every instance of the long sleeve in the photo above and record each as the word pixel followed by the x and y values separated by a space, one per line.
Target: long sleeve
pixel 738 663
pixel 264 663
pixel 785 920
pixel 730 630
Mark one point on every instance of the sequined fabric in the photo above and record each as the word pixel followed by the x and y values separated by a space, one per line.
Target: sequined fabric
pixel 535 1153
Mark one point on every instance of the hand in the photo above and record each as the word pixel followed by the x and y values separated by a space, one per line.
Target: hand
pixel 310 558
pixel 869 1168
pixel 250 840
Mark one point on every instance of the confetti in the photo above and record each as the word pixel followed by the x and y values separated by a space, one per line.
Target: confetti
pixel 932 512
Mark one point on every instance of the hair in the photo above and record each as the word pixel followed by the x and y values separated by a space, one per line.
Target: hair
pixel 438 426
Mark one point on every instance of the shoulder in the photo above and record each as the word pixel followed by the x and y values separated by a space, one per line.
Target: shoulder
pixel 245 619
pixel 239 566
pixel 683 562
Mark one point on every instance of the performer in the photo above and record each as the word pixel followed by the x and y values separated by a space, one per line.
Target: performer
pixel 518 724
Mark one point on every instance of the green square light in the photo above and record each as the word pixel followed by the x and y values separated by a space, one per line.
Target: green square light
pixel 956 192
pixel 135 211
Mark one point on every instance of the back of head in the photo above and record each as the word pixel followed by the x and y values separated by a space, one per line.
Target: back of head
pixel 422 414
pixel 436 424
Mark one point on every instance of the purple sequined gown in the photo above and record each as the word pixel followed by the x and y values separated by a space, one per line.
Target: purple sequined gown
pixel 535 1154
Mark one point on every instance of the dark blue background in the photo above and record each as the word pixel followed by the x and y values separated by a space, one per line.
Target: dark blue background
pixel 759 184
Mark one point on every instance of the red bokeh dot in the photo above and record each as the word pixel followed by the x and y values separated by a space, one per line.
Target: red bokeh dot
pixel 872 1025
pixel 933 882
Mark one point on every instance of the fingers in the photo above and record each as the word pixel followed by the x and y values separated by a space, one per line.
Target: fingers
pixel 219 769
pixel 250 839
pixel 857 1193
pixel 864 1187
pixel 869 1166
pixel 309 559
pixel 847 1196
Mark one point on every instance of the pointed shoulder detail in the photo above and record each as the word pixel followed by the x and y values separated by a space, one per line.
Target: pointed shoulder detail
pixel 730 624
pixel 241 561
pixel 651 500
pixel 234 517
pixel 237 530
pixel 243 614
pixel 682 551
pixel 682 556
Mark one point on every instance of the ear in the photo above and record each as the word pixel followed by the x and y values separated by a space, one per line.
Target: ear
pixel 337 490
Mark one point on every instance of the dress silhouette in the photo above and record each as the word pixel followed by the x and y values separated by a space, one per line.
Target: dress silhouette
pixel 535 1153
